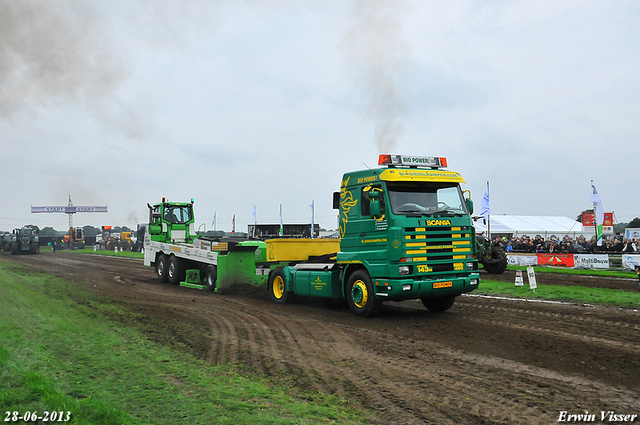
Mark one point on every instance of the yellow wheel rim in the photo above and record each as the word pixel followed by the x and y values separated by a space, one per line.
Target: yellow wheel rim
pixel 359 294
pixel 278 287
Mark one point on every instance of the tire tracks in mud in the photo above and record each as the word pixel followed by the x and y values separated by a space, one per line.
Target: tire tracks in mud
pixel 484 362
pixel 433 383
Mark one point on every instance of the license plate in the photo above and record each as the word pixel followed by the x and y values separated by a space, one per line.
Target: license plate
pixel 437 285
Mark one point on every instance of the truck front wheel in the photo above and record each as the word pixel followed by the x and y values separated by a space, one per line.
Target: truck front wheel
pixel 440 304
pixel 360 295
pixel 161 268
pixel 277 286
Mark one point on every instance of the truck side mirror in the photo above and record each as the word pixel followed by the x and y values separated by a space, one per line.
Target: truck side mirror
pixel 336 200
pixel 375 206
pixel 469 205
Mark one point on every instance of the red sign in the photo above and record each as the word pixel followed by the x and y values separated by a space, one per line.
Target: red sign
pixel 557 260
pixel 589 219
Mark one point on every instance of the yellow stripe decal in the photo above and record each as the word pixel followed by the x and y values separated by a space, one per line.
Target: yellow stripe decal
pixel 416 244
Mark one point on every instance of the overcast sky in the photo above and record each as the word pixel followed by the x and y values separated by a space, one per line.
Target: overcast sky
pixel 261 103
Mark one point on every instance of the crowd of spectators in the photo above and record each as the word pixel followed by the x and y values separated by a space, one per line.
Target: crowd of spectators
pixel 567 245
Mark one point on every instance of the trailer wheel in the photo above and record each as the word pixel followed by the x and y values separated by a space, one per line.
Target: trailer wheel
pixel 360 295
pixel 277 286
pixel 161 268
pixel 440 304
pixel 211 275
pixel 176 271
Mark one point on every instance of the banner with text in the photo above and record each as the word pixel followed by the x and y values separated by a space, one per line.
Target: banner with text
pixel 591 261
pixel 630 261
pixel 522 259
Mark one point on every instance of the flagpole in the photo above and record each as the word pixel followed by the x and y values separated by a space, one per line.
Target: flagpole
pixel 489 217
pixel 595 217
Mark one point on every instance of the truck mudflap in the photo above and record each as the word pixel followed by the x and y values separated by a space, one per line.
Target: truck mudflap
pixel 405 289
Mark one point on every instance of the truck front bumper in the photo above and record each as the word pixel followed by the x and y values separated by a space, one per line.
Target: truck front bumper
pixel 406 289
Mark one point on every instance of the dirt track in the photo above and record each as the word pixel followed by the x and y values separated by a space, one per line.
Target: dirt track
pixel 484 361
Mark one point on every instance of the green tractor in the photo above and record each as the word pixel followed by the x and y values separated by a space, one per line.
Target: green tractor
pixel 25 241
pixel 5 241
pixel 492 256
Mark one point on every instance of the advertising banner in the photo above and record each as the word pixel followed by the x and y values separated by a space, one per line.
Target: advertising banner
pixel 556 260
pixel 69 209
pixel 589 219
pixel 630 261
pixel 630 233
pixel 591 261
pixel 522 259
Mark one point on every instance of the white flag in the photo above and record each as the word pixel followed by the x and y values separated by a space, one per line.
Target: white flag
pixel 598 209
pixel 312 213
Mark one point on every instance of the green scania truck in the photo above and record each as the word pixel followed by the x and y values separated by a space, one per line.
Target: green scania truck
pixel 405 233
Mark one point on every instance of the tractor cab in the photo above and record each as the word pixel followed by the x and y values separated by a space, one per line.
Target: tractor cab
pixel 172 222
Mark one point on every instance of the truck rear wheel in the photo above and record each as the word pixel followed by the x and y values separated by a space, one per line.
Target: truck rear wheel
pixel 35 248
pixel 440 304
pixel 175 271
pixel 211 275
pixel 14 248
pixel 277 286
pixel 161 268
pixel 360 295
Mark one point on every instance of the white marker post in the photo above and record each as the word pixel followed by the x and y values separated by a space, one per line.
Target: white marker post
pixel 532 278
pixel 519 280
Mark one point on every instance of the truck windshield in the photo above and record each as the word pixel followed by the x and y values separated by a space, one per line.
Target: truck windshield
pixel 422 198
pixel 176 214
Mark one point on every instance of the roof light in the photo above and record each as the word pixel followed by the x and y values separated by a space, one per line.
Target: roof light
pixel 412 161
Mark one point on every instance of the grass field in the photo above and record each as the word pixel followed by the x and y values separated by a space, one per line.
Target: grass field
pixel 576 294
pixel 560 270
pixel 61 352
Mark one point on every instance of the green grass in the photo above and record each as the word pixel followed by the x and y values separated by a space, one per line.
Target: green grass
pixel 577 294
pixel 590 272
pixel 59 352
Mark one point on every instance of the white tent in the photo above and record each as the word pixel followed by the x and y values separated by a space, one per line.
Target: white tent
pixel 531 225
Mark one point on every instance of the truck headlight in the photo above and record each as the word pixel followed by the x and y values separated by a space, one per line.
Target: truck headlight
pixel 470 266
pixel 473 282
pixel 404 270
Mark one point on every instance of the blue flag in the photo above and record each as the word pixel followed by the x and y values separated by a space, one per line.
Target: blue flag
pixel 485 210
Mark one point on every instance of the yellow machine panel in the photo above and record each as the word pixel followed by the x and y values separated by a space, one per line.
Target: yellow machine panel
pixel 300 249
